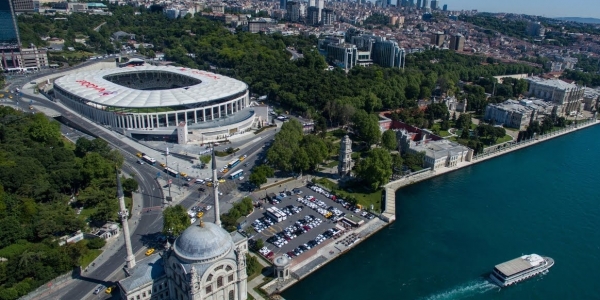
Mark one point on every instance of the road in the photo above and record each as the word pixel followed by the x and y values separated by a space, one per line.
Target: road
pixel 149 223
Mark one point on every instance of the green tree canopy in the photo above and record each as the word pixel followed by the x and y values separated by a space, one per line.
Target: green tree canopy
pixel 388 140
pixel 175 220
pixel 376 168
pixel 366 127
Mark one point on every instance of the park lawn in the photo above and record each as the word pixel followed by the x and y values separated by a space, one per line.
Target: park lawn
pixel 331 164
pixel 440 132
pixel 73 54
pixel 362 195
pixel 505 139
pixel 89 257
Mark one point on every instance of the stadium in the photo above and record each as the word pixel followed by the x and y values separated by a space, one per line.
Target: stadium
pixel 160 103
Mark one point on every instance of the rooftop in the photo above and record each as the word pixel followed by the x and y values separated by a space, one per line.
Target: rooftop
pixel 519 264
pixel 438 149
pixel 146 270
pixel 92 86
pixel 556 83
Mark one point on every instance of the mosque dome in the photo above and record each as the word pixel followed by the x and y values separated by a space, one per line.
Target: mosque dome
pixel 203 242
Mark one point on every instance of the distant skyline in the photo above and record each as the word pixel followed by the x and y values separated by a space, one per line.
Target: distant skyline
pixel 546 8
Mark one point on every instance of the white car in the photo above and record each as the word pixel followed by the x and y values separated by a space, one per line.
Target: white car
pixel 192 220
pixel 208 207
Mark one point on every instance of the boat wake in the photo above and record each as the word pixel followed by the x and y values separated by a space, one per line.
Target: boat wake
pixel 465 290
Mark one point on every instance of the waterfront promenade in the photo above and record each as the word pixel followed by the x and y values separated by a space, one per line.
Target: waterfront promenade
pixel 491 152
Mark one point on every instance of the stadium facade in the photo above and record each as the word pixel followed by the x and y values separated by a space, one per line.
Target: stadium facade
pixel 160 103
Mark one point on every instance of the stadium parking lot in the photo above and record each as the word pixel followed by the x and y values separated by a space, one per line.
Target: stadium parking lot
pixel 268 234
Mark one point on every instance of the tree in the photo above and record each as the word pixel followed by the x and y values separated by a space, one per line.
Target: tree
pixel 205 159
pixel 129 184
pixel 376 168
pixel 315 149
pixel 96 243
pixel 397 162
pixel 414 161
pixel 175 220
pixel 388 140
pixel 499 132
pixel 366 127
pixel 259 244
pixel 260 174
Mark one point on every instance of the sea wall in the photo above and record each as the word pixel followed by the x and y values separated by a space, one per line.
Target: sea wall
pixel 489 153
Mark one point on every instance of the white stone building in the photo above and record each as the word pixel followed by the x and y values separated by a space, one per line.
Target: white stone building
pixel 518 114
pixel 566 96
pixel 440 153
pixel 205 263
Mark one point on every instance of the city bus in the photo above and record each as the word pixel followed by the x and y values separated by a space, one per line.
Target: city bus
pixel 236 174
pixel 171 172
pixel 234 163
pixel 149 159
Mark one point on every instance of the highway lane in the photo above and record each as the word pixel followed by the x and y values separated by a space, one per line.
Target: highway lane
pixel 149 223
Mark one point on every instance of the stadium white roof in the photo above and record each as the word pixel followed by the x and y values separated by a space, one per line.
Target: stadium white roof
pixel 92 86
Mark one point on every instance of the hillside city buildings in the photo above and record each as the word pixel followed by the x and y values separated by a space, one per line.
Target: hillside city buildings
pixel 13 56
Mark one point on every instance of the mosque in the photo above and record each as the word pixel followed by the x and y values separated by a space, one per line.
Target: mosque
pixel 204 263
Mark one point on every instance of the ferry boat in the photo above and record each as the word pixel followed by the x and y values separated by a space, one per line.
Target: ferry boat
pixel 520 268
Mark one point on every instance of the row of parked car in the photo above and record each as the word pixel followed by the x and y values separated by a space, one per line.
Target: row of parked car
pixel 291 232
pixel 312 243
pixel 337 213
pixel 263 223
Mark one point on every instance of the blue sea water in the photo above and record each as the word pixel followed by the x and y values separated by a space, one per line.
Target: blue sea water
pixel 451 230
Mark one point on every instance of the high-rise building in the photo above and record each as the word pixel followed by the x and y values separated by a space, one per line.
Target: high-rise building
pixel 425 4
pixel 283 4
pixel 293 11
pixel 312 16
pixel 437 39
pixel 389 54
pixel 419 3
pixel 445 8
pixel 435 5
pixel 320 6
pixel 22 5
pixel 328 17
pixel 411 3
pixel 9 32
pixel 457 42
pixel 312 3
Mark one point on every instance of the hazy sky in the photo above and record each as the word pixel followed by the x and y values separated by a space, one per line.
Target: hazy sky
pixel 547 8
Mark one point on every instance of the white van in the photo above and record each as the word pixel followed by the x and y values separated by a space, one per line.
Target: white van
pixel 198 180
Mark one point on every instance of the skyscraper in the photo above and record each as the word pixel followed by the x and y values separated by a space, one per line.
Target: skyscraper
pixel 320 5
pixel 425 4
pixel 445 7
pixel 282 4
pixel 22 5
pixel 9 32
pixel 293 11
pixel 435 5
pixel 457 42
pixel 312 16
pixel 419 4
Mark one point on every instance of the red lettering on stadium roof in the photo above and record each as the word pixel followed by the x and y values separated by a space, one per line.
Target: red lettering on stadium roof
pixel 89 85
